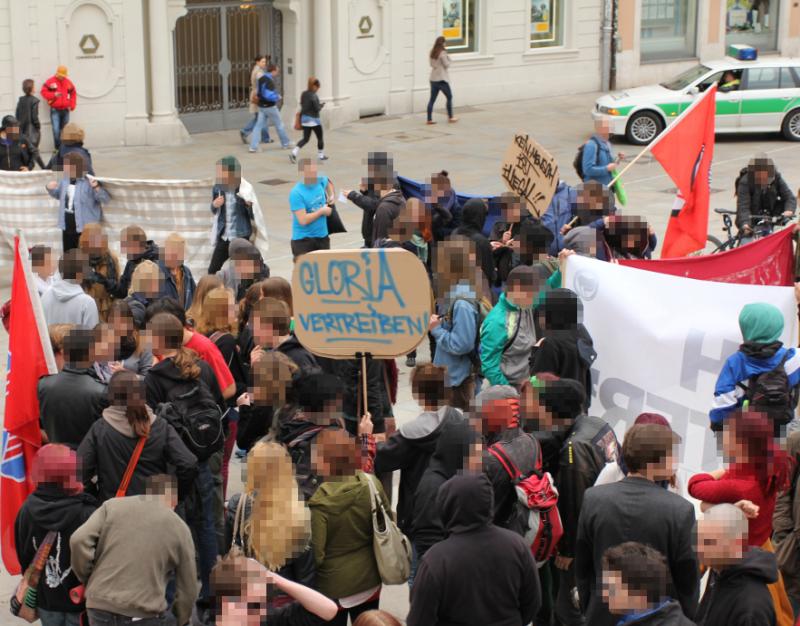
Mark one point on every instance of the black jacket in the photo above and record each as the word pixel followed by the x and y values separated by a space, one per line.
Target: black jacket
pixel 57 160
pixel 753 201
pixel 69 403
pixel 297 436
pixel 164 376
pixel 106 452
pixel 635 509
pixel 409 450
pixel 367 201
pixel 292 348
pixel 49 508
pixel 28 116
pixel 473 219
pixel 585 450
pixel 523 449
pixel 480 574
pixel 452 449
pixel 254 423
pixel 229 349
pixel 310 104
pixel 668 614
pixel 499 227
pixel 386 211
pixel 15 153
pixel 379 402
pixel 738 596
pixel 151 253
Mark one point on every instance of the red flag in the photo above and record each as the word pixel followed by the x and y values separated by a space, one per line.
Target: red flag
pixel 767 261
pixel 30 357
pixel 685 150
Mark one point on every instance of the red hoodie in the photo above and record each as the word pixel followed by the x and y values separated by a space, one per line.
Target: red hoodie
pixel 59 92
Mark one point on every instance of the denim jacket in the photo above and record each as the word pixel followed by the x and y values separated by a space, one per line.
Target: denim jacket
pixel 596 157
pixel 86 202
pixel 242 216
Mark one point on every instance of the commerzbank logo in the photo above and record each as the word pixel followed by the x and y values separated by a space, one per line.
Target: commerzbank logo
pixel 89 45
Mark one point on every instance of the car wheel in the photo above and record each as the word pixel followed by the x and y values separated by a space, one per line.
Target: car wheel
pixel 643 127
pixel 791 126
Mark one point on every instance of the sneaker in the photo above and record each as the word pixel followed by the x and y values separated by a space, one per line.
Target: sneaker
pixel 292 157
pixel 323 157
pixel 453 120
pixel 252 149
pixel 411 361
pixel 288 146
pixel 430 122
pixel 243 135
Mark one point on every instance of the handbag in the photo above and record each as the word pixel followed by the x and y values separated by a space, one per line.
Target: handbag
pixel 335 223
pixel 236 549
pixel 297 124
pixel 391 547
pixel 23 602
pixel 126 478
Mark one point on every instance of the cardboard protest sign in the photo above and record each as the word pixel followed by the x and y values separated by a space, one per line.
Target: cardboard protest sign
pixel 360 301
pixel 531 172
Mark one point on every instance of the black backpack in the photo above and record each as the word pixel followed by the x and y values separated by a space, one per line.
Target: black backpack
pixel 577 162
pixel 196 417
pixel 770 392
pixel 300 452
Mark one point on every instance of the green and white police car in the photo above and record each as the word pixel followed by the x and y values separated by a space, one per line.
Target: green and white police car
pixel 761 95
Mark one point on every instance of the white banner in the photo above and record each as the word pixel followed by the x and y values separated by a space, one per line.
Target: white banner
pixel 661 341
pixel 160 207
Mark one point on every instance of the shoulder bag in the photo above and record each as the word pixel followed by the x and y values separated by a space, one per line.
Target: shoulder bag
pixel 334 220
pixel 391 547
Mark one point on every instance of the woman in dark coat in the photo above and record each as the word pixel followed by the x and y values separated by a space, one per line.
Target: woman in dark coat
pixel 28 117
pixel 473 219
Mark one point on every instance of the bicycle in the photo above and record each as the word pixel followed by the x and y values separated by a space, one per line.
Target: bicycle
pixel 762 226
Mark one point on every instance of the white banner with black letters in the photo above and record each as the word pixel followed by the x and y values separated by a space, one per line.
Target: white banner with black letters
pixel 661 341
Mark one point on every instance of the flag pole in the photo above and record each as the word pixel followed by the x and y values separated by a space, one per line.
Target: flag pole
pixel 628 166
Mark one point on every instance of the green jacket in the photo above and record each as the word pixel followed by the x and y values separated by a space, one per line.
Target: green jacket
pixel 507 338
pixel 341 536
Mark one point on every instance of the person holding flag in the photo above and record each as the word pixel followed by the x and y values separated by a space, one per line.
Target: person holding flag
pixel 30 356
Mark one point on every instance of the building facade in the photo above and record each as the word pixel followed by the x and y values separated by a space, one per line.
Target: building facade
pixel 150 72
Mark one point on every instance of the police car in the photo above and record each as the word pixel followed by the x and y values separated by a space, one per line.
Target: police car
pixel 754 95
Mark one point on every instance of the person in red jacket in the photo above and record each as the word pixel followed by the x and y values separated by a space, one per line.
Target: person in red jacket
pixel 758 470
pixel 60 94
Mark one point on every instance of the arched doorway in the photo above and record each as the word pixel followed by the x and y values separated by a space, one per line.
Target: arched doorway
pixel 215 43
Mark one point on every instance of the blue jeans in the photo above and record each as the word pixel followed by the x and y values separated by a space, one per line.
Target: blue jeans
pixel 412 572
pixel 251 124
pixel 265 116
pixel 444 87
pixel 59 118
pixel 203 528
pixel 57 618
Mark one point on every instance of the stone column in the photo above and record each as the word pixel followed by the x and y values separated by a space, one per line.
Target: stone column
pixel 323 49
pixel 165 128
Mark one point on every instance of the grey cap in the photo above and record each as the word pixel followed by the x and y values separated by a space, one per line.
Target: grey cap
pixel 496 392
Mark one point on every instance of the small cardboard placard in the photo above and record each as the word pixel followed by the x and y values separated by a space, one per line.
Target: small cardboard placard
pixel 360 301
pixel 531 172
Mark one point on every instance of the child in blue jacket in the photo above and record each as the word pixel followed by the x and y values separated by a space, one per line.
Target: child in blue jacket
pixel 762 351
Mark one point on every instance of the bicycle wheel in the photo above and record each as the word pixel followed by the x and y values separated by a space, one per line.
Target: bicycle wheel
pixel 713 245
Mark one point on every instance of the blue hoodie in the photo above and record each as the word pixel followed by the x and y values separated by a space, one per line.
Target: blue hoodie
pixel 456 339
pixel 596 157
pixel 558 214
pixel 729 396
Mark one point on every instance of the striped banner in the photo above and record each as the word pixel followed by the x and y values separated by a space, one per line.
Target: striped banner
pixel 160 207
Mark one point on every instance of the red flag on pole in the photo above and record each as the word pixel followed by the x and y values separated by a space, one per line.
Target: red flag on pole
pixel 30 357
pixel 686 150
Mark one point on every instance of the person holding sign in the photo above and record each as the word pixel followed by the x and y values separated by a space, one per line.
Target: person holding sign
pixel 310 201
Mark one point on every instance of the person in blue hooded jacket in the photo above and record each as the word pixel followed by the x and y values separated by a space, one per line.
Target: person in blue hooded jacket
pixel 762 351
pixel 599 162
pixel 559 213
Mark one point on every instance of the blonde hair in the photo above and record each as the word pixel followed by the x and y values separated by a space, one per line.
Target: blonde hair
pixel 215 312
pixel 279 525
pixel 204 285
pixel 89 230
pixel 145 273
pixel 175 238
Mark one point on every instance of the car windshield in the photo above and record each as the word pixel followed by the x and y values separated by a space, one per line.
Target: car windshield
pixel 682 81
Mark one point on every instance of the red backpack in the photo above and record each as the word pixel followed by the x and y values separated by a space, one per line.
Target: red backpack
pixel 535 511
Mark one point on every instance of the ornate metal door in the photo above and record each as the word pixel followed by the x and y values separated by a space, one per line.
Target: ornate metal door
pixel 215 43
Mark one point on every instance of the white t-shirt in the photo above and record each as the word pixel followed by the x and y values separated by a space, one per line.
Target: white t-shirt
pixel 70 199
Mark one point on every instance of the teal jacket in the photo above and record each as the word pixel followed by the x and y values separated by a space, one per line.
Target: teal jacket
pixel 506 325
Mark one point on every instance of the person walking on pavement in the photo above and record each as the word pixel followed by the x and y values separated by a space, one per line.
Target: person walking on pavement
pixel 440 79
pixel 257 72
pixel 268 99
pixel 59 93
pixel 310 108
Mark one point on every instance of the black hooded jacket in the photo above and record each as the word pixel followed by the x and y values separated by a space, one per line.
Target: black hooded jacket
pixel 738 596
pixel 69 403
pixel 473 219
pixel 151 253
pixel 452 448
pixel 480 574
pixel 753 201
pixel 386 211
pixel 567 350
pixel 49 508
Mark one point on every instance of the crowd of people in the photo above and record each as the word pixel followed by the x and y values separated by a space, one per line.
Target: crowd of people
pixel 515 502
